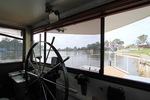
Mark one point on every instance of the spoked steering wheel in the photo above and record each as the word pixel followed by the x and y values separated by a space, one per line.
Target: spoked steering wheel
pixel 41 76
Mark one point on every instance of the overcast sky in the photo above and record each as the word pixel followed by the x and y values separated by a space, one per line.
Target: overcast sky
pixel 129 33
pixel 71 40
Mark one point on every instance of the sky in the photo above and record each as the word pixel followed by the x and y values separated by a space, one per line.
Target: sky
pixel 71 40
pixel 128 34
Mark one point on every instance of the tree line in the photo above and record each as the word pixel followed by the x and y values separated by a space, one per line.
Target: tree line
pixel 141 40
pixel 93 46
pixel 10 48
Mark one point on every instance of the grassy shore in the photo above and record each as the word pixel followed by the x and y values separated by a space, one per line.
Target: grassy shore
pixel 141 51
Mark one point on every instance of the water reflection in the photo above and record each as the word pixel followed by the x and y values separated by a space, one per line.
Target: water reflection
pixel 79 58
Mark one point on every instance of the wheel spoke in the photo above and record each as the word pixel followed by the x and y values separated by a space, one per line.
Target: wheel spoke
pixel 39 77
pixel 44 92
pixel 50 48
pixel 60 85
pixel 33 82
pixel 48 54
pixel 49 91
pixel 38 67
pixel 36 71
pixel 32 74
pixel 53 67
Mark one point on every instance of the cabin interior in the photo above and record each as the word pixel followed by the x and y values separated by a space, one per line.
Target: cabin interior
pixel 45 47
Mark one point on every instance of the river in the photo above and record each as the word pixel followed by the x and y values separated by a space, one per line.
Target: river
pixel 81 57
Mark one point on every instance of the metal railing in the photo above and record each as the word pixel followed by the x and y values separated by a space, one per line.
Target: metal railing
pixel 133 65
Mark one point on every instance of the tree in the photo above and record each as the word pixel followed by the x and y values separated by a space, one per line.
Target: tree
pixel 142 39
pixel 94 46
pixel 13 48
pixel 117 42
pixel 5 43
pixel 106 45
pixel 75 48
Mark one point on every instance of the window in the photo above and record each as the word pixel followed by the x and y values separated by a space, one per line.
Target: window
pixel 81 42
pixel 127 45
pixel 11 45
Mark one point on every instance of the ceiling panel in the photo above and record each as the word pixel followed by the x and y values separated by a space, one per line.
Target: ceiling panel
pixel 22 12
pixel 31 12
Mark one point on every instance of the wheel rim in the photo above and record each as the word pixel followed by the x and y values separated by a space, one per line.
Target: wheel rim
pixel 36 75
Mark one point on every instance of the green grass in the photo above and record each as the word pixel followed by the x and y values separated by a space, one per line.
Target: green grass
pixel 141 51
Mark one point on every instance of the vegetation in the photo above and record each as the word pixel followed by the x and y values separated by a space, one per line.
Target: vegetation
pixel 142 39
pixel 142 45
pixel 141 51
pixel 94 46
pixel 10 48
pixel 144 48
pixel 118 42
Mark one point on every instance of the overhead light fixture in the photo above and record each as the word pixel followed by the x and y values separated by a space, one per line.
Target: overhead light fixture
pixel 54 17
pixel 53 14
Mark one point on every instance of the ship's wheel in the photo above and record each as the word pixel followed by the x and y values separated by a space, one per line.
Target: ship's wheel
pixel 41 76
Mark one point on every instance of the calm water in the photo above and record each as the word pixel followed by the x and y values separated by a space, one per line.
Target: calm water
pixel 79 58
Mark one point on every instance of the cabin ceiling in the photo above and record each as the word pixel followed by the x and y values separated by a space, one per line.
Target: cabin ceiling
pixel 23 13
pixel 32 12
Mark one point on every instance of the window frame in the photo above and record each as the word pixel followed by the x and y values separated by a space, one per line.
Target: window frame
pixel 14 37
pixel 100 75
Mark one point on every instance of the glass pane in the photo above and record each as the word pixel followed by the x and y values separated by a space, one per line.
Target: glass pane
pixel 127 45
pixel 81 42
pixel 10 49
pixel 36 37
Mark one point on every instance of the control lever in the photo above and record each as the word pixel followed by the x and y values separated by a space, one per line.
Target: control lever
pixel 82 80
